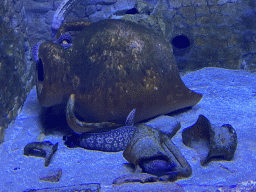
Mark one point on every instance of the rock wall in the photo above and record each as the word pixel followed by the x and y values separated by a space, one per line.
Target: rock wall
pixel 16 79
pixel 204 33
pixel 222 33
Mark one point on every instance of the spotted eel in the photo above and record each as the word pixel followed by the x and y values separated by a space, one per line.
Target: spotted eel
pixel 111 141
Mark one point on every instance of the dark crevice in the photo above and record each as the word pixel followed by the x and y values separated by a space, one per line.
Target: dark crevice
pixel 40 70
pixel 180 42
pixel 132 11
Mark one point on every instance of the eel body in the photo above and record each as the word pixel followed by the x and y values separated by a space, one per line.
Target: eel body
pixel 111 141
pixel 60 14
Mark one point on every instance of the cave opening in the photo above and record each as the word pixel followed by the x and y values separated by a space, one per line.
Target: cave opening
pixel 132 11
pixel 181 42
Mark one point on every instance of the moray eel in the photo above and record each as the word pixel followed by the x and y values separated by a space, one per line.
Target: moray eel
pixel 41 149
pixel 110 141
pixel 60 14
pixel 35 51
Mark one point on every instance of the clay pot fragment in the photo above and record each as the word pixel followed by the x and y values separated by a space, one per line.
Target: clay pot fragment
pixel 41 149
pixel 152 151
pixel 210 140
pixel 52 175
pixel 135 178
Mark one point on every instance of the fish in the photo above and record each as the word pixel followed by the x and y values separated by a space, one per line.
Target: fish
pixel 110 141
pixel 60 13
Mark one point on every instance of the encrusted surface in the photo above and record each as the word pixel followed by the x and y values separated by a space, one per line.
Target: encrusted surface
pixel 15 68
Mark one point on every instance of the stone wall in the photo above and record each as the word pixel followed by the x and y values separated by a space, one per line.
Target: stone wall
pixel 204 33
pixel 222 33
pixel 39 14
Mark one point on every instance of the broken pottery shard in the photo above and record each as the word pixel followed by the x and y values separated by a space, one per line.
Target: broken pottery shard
pixel 132 178
pixel 1 134
pixel 52 175
pixel 152 151
pixel 92 187
pixel 41 149
pixel 157 167
pixel 210 140
pixel 165 124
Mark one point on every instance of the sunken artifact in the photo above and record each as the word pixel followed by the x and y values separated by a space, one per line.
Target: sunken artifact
pixel 41 149
pixel 111 68
pixel 210 141
pixel 152 151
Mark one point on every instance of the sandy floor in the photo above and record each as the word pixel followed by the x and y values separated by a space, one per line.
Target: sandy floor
pixel 229 98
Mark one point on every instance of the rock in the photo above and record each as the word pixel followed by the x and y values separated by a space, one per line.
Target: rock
pixel 243 186
pixel 15 71
pixel 92 187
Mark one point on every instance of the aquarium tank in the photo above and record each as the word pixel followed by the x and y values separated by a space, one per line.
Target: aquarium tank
pixel 127 95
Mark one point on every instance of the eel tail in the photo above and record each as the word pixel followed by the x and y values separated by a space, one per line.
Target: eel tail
pixel 60 14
